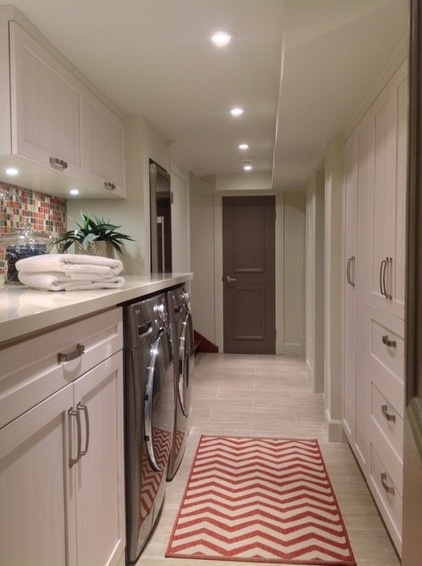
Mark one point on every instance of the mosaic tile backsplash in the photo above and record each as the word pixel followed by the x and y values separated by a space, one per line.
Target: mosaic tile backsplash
pixel 46 214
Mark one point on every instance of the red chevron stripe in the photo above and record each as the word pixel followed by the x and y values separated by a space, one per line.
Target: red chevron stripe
pixel 260 500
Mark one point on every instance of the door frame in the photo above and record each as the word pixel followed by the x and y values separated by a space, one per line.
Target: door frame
pixel 294 200
pixel 412 490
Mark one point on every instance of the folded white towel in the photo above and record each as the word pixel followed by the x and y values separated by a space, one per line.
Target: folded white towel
pixel 51 281
pixel 70 263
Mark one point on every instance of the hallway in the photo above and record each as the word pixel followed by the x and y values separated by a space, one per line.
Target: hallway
pixel 242 395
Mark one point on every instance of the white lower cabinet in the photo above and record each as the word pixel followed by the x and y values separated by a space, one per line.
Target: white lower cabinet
pixel 61 465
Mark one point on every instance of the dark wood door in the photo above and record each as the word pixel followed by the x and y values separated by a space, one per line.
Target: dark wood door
pixel 249 274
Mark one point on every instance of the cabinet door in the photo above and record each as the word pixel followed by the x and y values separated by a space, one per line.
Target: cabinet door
pixel 46 106
pixel 387 219
pixel 98 476
pixel 103 146
pixel 33 470
pixel 358 175
pixel 350 202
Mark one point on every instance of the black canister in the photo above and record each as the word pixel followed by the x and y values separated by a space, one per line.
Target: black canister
pixel 22 244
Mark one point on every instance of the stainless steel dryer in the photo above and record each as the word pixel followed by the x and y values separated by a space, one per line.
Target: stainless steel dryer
pixel 181 331
pixel 149 416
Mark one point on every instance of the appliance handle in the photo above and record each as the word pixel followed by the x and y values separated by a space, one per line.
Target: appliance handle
pixel 184 361
pixel 148 403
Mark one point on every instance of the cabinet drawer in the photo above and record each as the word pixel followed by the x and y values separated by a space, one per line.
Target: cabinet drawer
pixel 387 352
pixel 386 415
pixel 36 368
pixel 388 497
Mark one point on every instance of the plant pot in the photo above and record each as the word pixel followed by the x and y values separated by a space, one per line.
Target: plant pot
pixel 100 248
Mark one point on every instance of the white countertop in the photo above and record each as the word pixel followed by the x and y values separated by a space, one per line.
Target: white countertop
pixel 24 311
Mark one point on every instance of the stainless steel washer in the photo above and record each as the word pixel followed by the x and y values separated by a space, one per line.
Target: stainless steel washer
pixel 181 331
pixel 149 416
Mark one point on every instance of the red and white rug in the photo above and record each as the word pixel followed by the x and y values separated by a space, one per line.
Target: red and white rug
pixel 260 500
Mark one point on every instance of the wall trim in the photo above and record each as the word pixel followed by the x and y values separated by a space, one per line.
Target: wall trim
pixel 335 428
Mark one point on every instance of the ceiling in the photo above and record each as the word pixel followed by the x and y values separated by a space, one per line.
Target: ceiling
pixel 299 68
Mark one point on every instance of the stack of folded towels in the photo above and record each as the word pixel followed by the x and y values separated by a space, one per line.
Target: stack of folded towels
pixel 70 272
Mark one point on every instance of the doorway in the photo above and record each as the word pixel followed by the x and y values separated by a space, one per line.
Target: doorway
pixel 249 274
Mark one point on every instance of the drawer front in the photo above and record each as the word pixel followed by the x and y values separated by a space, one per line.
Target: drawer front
pixel 387 496
pixel 387 353
pixel 386 415
pixel 36 368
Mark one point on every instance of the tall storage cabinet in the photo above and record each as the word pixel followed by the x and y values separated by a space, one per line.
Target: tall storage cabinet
pixel 357 185
pixel 373 296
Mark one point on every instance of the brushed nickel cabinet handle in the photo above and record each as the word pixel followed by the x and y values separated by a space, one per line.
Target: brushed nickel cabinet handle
pixel 389 343
pixel 72 413
pixel 109 186
pixel 84 409
pixel 350 265
pixel 80 349
pixel 387 415
pixel 382 278
pixel 388 280
pixel 389 489
pixel 58 163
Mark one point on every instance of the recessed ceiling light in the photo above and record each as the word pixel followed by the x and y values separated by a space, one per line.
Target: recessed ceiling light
pixel 247 165
pixel 11 171
pixel 74 191
pixel 236 111
pixel 222 38
pixel 243 146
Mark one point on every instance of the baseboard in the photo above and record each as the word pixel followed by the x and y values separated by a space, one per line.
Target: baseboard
pixel 335 429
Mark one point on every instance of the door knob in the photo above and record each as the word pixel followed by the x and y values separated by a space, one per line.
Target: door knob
pixel 230 279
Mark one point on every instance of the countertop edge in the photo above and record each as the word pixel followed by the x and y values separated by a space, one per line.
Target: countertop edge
pixel 49 311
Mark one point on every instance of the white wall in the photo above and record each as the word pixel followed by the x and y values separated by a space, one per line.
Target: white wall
pixel 180 214
pixel 290 273
pixel 206 256
pixel 314 309
pixel 202 260
pixel 332 302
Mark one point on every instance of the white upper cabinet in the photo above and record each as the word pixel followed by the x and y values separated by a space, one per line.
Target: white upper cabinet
pixel 104 146
pixel 46 106
pixel 62 134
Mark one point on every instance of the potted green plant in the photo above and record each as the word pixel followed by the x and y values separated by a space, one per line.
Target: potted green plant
pixel 89 233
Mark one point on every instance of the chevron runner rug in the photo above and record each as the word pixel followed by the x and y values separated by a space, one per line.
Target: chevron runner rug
pixel 260 500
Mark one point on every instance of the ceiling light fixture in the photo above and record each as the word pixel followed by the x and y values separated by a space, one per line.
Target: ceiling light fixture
pixel 74 191
pixel 236 111
pixel 222 38
pixel 243 146
pixel 247 165
pixel 11 171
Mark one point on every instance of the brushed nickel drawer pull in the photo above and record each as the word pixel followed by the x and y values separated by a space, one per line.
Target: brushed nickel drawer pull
pixel 389 489
pixel 58 163
pixel 387 415
pixel 389 343
pixel 109 186
pixel 80 349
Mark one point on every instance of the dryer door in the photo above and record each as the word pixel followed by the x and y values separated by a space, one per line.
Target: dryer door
pixel 159 402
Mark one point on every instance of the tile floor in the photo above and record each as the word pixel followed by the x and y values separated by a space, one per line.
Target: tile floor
pixel 270 396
